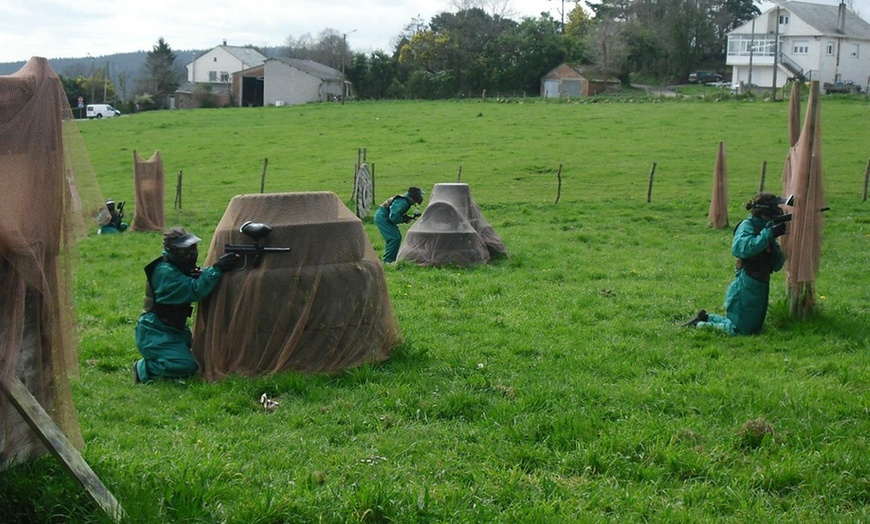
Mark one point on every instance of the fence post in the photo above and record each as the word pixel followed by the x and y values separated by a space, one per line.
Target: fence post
pixel 652 173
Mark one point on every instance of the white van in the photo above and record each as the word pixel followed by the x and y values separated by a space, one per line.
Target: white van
pixel 100 111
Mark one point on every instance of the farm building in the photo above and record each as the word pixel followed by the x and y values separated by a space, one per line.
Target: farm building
pixel 293 81
pixel 572 81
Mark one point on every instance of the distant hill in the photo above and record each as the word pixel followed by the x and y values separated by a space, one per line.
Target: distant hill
pixel 129 63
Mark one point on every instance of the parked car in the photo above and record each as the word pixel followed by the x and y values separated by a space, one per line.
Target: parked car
pixel 841 87
pixel 704 77
pixel 100 111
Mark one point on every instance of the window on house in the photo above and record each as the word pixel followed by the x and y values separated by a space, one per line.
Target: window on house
pixel 829 49
pixel 783 19
pixel 225 77
pixel 801 48
pixel 215 59
pixel 212 76
pixel 854 52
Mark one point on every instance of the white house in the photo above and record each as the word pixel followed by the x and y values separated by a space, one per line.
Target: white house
pixel 217 65
pixel 293 81
pixel 210 76
pixel 827 43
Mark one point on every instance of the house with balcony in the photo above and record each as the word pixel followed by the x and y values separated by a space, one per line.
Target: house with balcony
pixel 800 40
pixel 210 76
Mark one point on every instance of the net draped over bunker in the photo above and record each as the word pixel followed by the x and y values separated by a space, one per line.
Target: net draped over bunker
pixel 322 307
pixel 452 230
pixel 148 182
pixel 49 189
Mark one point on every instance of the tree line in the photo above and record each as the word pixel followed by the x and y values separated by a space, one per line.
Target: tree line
pixel 478 50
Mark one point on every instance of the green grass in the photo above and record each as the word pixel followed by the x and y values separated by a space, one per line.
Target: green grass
pixel 552 386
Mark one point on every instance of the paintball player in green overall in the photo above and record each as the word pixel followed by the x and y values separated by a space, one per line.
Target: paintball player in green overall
pixel 173 282
pixel 111 219
pixel 390 214
pixel 758 255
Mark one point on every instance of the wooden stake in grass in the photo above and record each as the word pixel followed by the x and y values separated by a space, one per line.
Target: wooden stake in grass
pixel 263 176
pixel 178 191
pixel 866 179
pixel 763 175
pixel 652 173
pixel 559 184
pixel 459 175
pixel 59 446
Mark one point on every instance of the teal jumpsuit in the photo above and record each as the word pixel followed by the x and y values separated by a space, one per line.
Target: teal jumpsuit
pixel 387 217
pixel 165 348
pixel 114 226
pixel 746 300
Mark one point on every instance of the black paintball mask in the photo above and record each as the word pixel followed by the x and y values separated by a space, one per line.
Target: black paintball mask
pixel 110 205
pixel 182 250
pixel 767 205
pixel 416 194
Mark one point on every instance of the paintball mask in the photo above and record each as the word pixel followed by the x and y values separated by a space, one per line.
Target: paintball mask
pixel 768 205
pixel 110 205
pixel 180 248
pixel 416 194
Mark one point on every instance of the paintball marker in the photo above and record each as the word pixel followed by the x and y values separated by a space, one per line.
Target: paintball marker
pixel 782 219
pixel 256 231
pixel 120 207
pixel 415 216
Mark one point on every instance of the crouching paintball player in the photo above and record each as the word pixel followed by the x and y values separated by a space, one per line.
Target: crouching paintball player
pixel 758 255
pixel 173 281
pixel 390 214
pixel 111 218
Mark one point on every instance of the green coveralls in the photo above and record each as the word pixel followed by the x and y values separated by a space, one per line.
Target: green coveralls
pixel 387 217
pixel 166 349
pixel 747 297
pixel 114 226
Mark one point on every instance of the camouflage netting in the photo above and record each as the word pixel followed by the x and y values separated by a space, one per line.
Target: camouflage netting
pixel 718 216
pixel 452 230
pixel 50 189
pixel 322 307
pixel 148 182
pixel 802 177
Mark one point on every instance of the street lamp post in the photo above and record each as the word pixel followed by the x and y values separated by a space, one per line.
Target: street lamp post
pixel 344 52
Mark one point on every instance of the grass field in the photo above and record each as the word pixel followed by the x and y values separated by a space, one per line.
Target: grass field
pixel 553 386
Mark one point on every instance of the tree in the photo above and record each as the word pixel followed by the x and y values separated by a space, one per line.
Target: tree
pixel 162 75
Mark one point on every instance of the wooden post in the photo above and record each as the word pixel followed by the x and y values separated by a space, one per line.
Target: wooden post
pixel 559 184
pixel 178 191
pixel 373 184
pixel 763 176
pixel 59 446
pixel 652 173
pixel 263 176
pixel 866 179
pixel 459 175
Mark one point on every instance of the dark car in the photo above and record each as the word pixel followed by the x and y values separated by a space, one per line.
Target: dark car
pixel 704 77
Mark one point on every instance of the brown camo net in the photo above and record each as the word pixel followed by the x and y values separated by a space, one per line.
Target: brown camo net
pixel 802 177
pixel 322 307
pixel 51 196
pixel 717 218
pixel 451 230
pixel 148 181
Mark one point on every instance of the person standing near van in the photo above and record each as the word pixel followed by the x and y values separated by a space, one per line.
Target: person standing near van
pixel 390 214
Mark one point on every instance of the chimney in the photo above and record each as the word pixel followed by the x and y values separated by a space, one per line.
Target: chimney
pixel 225 42
pixel 841 19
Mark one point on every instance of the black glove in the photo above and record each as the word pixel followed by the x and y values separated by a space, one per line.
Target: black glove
pixel 405 219
pixel 227 262
pixel 778 229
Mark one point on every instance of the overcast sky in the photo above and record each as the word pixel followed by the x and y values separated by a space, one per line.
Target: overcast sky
pixel 72 29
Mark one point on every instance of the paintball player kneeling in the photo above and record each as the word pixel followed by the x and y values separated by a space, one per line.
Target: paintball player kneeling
pixel 390 214
pixel 173 281
pixel 758 255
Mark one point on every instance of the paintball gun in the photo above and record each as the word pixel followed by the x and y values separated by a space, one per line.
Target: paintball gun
pixel 782 219
pixel 256 231
pixel 415 216
pixel 120 207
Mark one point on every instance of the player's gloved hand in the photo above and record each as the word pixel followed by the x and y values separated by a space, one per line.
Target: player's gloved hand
pixel 227 262
pixel 778 229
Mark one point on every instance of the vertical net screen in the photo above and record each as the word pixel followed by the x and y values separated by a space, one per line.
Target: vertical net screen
pixel 51 196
